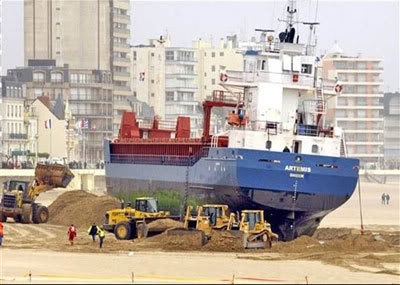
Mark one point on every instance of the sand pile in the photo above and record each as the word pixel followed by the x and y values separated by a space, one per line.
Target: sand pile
pixel 184 242
pixel 81 209
pixel 164 224
pixel 225 241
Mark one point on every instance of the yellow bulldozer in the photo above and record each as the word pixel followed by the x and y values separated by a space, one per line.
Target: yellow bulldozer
pixel 18 199
pixel 131 222
pixel 256 230
pixel 208 218
pixel 252 226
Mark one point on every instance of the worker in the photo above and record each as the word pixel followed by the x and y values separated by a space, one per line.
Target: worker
pixel 71 234
pixel 93 231
pixel 1 233
pixel 101 234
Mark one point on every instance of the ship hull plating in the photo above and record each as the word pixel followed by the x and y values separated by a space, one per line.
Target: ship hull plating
pixel 296 191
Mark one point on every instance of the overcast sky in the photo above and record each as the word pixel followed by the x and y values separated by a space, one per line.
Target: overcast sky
pixel 367 27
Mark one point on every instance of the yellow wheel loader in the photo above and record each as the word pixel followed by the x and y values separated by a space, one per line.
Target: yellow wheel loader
pixel 130 223
pixel 18 200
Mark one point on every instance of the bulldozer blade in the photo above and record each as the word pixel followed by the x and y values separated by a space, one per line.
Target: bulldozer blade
pixel 184 232
pixel 255 245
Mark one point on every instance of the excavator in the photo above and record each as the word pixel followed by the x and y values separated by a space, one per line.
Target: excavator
pixel 256 231
pixel 18 199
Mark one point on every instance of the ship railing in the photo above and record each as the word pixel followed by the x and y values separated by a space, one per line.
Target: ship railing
pixel 162 124
pixel 174 160
pixel 271 127
pixel 314 106
pixel 214 139
pixel 306 130
pixel 227 96
pixel 343 146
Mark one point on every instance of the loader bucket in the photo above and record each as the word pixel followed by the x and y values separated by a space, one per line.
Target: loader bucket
pixel 55 175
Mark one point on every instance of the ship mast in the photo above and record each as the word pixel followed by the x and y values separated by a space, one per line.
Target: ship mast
pixel 291 10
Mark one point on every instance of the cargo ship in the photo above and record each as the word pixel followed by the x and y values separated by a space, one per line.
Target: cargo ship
pixel 275 154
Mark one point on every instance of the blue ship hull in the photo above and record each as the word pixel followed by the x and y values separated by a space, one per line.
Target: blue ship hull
pixel 295 190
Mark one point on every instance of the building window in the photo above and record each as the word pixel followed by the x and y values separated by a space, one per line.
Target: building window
pixel 213 81
pixel 134 55
pixel 213 68
pixel 213 54
pixel 38 77
pixel 169 55
pixel 205 74
pixel 221 53
pixel 56 77
pixel 152 94
pixel 152 54
pixel 152 81
pixel 306 68
pixel 134 94
pixel 169 96
pixel 314 148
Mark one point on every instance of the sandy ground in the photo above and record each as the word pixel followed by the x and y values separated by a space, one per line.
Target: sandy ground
pixel 43 251
pixel 375 215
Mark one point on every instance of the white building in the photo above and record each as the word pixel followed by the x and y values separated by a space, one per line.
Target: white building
pixel 1 73
pixel 14 140
pixel 176 80
pixel 359 109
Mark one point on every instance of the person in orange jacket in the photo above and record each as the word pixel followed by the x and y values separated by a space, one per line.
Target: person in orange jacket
pixel 1 233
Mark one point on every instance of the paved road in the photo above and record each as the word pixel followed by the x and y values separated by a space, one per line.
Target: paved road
pixel 146 267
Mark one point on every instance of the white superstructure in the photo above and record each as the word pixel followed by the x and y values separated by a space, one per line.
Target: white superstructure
pixel 282 98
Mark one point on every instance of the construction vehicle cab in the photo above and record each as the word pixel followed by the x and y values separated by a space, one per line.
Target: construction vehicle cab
pixel 146 205
pixel 208 218
pixel 128 223
pixel 18 200
pixel 257 231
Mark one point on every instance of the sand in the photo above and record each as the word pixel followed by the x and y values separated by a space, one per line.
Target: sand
pixel 337 252
pixel 81 209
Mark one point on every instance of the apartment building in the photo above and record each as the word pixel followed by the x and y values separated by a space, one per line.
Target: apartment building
pixel 86 94
pixel 359 108
pixel 14 138
pixel 165 78
pixel 121 62
pixel 212 61
pixel 1 39
pixel 86 35
pixel 1 73
pixel 176 80
pixel 392 130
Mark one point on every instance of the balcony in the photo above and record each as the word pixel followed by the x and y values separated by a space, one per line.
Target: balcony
pixel 122 74
pixel 92 113
pixel 121 45
pixel 122 59
pixel 121 31
pixel 15 136
pixel 121 17
pixel 122 88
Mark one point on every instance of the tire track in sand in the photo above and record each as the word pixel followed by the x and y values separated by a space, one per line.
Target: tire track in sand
pixel 16 228
pixel 39 228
